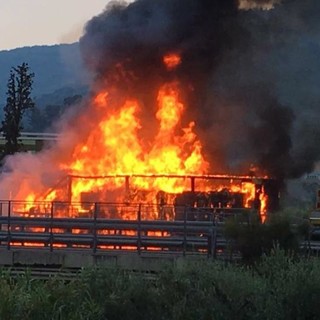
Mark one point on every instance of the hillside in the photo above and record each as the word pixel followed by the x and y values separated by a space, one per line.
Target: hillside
pixel 58 69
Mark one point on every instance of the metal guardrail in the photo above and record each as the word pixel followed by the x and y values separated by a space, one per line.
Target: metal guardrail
pixel 36 136
pixel 66 274
pixel 96 233
pixel 98 226
pixel 36 272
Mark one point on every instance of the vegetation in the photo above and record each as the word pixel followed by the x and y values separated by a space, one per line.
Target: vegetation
pixel 279 287
pixel 57 68
pixel 18 101
pixel 61 80
pixel 253 239
pixel 19 104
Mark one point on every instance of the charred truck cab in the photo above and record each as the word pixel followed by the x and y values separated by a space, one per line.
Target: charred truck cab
pixel 228 196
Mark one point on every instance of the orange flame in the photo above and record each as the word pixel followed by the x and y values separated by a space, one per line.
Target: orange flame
pixel 114 148
pixel 171 60
pixel 263 205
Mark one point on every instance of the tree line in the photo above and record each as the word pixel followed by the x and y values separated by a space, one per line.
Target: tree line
pixel 20 105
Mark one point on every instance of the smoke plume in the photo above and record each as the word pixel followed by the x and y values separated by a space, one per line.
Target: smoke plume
pixel 246 88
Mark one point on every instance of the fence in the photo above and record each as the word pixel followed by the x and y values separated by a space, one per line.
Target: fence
pixel 67 226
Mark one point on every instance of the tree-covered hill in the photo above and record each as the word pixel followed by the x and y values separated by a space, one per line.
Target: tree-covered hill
pixel 57 68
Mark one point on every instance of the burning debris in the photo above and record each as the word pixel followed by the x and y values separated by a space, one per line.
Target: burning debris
pixel 158 117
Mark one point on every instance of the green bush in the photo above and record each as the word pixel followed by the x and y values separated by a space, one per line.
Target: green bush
pixel 254 239
pixel 279 286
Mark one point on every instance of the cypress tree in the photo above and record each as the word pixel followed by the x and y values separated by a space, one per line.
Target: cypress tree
pixel 18 101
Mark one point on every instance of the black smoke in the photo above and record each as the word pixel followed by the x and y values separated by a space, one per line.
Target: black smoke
pixel 246 85
pixel 125 44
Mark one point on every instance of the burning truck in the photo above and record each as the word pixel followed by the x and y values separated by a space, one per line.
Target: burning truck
pixel 140 138
pixel 199 198
pixel 112 165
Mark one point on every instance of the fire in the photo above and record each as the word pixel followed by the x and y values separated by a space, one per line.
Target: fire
pixel 171 60
pixel 116 163
pixel 114 148
pixel 249 190
pixel 263 205
pixel 30 200
pixel 169 110
pixel 101 98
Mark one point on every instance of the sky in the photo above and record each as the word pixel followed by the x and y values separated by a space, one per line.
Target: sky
pixel 47 22
pixel 44 22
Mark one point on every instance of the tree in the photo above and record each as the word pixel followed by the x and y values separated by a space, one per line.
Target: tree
pixel 18 101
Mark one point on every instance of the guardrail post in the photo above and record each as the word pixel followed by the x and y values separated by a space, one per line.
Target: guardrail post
pixel 185 232
pixel 212 240
pixel 9 225
pixel 51 227
pixel 193 184
pixel 139 229
pixel 95 214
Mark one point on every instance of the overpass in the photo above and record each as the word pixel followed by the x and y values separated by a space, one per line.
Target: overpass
pixel 59 235
pixel 33 141
pixel 45 238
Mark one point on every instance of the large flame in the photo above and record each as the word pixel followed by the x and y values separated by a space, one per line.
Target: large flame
pixel 115 149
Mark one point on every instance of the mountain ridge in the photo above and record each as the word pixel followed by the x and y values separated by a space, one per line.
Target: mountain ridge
pixel 56 68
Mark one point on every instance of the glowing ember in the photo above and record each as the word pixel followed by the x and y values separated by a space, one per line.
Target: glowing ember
pixel 263 205
pixel 100 98
pixel 171 61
